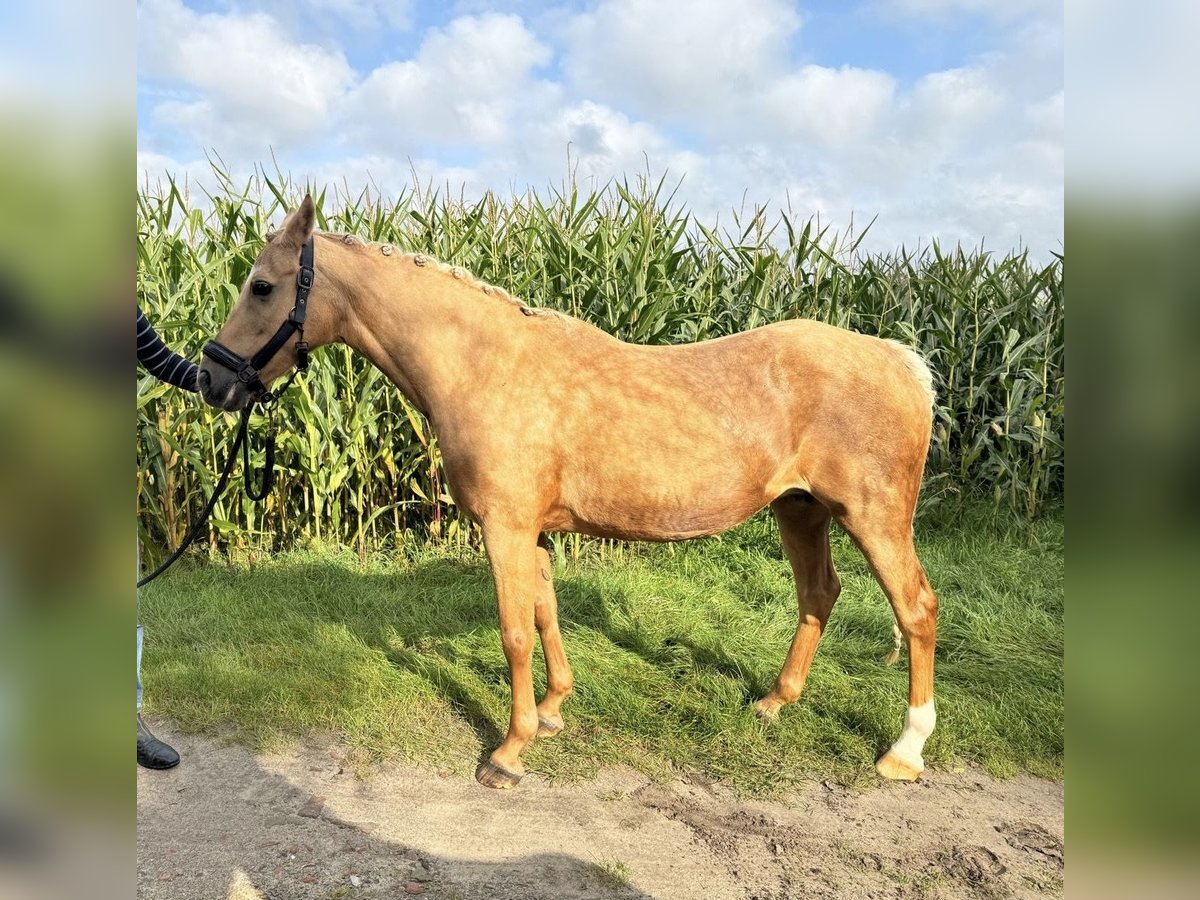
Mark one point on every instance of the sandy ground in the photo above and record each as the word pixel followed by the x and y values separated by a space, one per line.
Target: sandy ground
pixel 230 825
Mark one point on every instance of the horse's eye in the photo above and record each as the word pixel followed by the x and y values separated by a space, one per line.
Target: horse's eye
pixel 260 288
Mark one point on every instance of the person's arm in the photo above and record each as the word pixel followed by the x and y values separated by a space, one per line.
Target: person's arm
pixel 162 362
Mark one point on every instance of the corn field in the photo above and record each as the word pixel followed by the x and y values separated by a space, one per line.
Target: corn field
pixel 359 467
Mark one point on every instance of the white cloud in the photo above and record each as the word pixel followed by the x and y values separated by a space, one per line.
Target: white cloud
pixel 953 110
pixel 604 144
pixel 720 69
pixel 465 84
pixel 682 59
pixel 1134 132
pixel 959 94
pixel 154 169
pixel 255 85
pixel 1046 117
pixel 828 106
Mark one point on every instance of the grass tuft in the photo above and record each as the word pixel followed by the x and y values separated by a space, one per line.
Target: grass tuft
pixel 612 873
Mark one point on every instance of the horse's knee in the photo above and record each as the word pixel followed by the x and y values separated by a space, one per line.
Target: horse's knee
pixel 517 643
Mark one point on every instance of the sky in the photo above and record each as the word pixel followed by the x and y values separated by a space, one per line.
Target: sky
pixel 939 119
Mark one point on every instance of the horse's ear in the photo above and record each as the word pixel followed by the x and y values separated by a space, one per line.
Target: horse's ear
pixel 300 224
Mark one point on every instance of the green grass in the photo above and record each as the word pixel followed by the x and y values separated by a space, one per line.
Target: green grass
pixel 400 656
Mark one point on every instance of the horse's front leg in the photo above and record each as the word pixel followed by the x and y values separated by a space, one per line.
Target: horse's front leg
pixel 512 555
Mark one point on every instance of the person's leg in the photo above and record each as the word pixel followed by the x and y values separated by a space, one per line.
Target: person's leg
pixel 139 669
pixel 137 574
pixel 151 752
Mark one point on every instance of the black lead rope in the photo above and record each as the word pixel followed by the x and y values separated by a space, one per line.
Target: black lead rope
pixel 202 522
pixel 266 482
pixel 268 476
pixel 268 403
pixel 247 372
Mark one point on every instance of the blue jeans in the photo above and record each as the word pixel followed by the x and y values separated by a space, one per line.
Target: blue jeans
pixel 139 668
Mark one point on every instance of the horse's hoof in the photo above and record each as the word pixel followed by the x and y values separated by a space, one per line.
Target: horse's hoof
pixel 491 775
pixel 548 727
pixel 893 768
pixel 767 710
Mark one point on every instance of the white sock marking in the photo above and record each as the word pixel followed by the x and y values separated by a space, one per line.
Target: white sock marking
pixel 918 725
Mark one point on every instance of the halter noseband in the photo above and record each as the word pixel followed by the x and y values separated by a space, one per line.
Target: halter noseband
pixel 248 371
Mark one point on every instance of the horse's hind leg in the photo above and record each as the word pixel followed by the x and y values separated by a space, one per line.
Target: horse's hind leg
pixel 887 542
pixel 804 528
pixel 559 680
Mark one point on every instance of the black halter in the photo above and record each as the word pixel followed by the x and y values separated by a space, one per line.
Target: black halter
pixel 248 371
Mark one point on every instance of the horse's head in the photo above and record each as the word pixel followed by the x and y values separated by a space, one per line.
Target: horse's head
pixel 267 303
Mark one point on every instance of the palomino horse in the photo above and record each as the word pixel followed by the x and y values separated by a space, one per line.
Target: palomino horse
pixel 548 424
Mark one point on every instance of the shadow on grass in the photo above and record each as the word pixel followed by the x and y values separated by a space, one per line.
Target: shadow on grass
pixel 584 605
pixel 438 620
pixel 455 690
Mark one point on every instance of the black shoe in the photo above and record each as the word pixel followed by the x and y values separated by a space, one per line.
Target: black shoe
pixel 153 753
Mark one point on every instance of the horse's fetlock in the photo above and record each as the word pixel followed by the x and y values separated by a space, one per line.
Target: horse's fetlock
pixel 527 723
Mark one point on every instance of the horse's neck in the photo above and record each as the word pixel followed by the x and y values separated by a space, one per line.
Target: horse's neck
pixel 427 332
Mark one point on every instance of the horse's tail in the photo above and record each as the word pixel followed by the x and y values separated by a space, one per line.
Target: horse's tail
pixel 917 367
pixel 898 635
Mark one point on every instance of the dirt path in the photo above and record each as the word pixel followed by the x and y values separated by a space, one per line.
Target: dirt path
pixel 227 824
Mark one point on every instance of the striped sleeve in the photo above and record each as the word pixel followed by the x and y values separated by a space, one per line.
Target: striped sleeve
pixel 160 361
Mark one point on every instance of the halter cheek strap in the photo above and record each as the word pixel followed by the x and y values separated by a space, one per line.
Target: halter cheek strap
pixel 248 370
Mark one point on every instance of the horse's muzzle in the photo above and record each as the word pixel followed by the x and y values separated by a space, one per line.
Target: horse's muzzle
pixel 222 390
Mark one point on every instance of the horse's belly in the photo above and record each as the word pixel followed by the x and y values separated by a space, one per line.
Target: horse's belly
pixel 666 510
